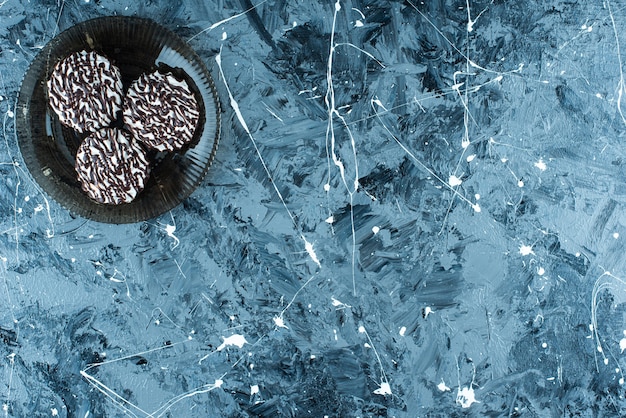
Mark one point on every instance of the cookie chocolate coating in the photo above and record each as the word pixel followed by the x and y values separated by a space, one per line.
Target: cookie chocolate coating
pixel 85 91
pixel 161 111
pixel 111 167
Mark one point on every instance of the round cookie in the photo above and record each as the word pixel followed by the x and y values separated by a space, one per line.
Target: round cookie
pixel 111 167
pixel 85 91
pixel 161 111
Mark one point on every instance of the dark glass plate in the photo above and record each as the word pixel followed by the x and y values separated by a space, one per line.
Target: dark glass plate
pixel 135 45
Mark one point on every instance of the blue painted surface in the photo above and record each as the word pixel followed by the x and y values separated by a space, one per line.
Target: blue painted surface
pixel 430 226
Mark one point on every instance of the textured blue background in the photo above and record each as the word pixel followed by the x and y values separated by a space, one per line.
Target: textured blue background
pixel 404 281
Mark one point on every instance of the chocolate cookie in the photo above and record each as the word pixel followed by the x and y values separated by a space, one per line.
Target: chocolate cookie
pixel 85 91
pixel 111 167
pixel 161 111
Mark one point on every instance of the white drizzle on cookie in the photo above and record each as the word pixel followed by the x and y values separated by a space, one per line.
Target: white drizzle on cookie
pixel 161 111
pixel 111 167
pixel 85 91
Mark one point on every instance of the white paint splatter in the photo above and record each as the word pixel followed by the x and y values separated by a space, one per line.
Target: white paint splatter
pixel 309 249
pixel 379 104
pixel 454 181
pixel 541 165
pixel 237 340
pixel 254 389
pixel 402 331
pixel 169 230
pixel 443 387
pixel 280 322
pixel 375 230
pixel 622 344
pixel 466 397
pixel 384 389
pixel 339 304
pixel 526 250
